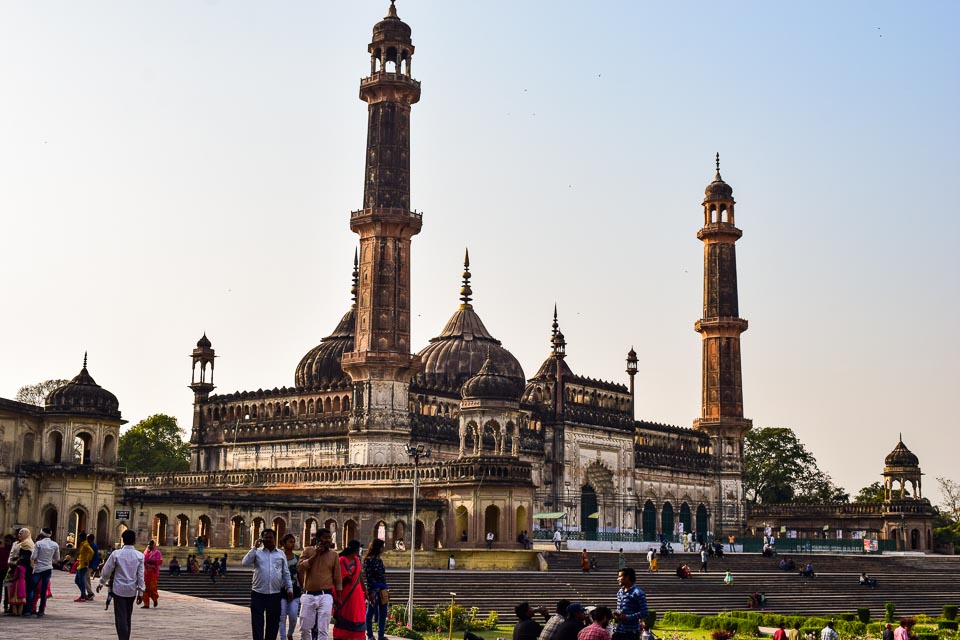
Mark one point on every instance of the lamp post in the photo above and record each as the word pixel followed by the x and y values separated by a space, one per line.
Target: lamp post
pixel 416 452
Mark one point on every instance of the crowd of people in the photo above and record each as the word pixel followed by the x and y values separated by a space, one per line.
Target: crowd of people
pixel 574 621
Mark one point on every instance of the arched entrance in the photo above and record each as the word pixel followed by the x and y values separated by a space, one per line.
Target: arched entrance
pixel 256 529
pixel 76 524
pixel 204 528
pixel 491 522
pixel 236 531
pixel 183 530
pixel 55 444
pixel 159 530
pixel 438 534
pixel 49 520
pixel 380 531
pixel 109 455
pixel 914 539
pixel 279 527
pixel 589 513
pixel 103 527
pixel 331 526
pixel 649 521
pixel 399 535
pixel 686 517
pixel 702 523
pixel 309 532
pixel 666 520
pixel 350 532
pixel 461 517
pixel 83 448
pixel 418 536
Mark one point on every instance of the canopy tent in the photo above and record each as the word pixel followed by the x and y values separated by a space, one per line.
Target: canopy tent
pixel 551 515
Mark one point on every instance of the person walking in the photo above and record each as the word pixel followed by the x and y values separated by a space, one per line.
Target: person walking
pixel 4 565
pixel 350 616
pixel 557 539
pixel 621 560
pixel 728 578
pixel 631 606
pixel 378 594
pixel 780 633
pixel 45 553
pixel 490 539
pixel 652 560
pixel 887 632
pixel 94 564
pixel 84 556
pixel 152 561
pixel 319 568
pixel 703 559
pixel 289 608
pixel 123 571
pixel 584 561
pixel 271 575
pixel 732 541
pixel 451 563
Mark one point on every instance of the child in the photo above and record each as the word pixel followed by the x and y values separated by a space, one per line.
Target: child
pixel 18 588
pixel 109 584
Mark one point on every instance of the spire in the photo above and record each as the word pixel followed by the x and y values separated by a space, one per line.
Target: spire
pixel 465 290
pixel 717 177
pixel 356 279
pixel 555 325
pixel 392 11
pixel 84 359
pixel 557 342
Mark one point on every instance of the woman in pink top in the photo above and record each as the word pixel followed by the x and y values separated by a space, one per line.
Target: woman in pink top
pixel 152 561
pixel 903 631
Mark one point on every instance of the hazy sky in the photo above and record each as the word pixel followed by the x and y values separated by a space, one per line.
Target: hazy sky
pixel 169 168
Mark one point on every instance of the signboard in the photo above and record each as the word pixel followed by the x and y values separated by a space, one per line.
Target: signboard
pixel 121 514
pixel 870 545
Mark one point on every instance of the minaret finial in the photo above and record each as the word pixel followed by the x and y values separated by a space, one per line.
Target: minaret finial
pixel 356 279
pixel 392 11
pixel 556 325
pixel 718 167
pixel 465 290
pixel 84 359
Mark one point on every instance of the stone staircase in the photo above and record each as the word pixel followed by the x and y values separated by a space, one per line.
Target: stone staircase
pixel 915 584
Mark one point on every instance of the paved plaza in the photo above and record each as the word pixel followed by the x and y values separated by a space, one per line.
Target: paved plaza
pixel 179 617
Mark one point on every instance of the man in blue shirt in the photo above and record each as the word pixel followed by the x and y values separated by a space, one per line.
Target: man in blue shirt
pixel 631 606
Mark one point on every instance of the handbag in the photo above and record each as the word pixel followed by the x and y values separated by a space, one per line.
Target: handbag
pixel 384 596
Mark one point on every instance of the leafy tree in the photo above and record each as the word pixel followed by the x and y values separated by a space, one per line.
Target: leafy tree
pixel 871 494
pixel 36 394
pixel 950 490
pixel 780 469
pixel 152 445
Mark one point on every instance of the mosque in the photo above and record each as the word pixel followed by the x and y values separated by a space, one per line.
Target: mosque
pixel 490 449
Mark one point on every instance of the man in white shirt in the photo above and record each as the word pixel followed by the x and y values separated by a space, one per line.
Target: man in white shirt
pixel 45 553
pixel 124 571
pixel 271 576
pixel 490 540
pixel 557 539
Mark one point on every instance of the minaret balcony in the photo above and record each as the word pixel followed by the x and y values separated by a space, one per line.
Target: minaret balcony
pixel 720 231
pixel 721 326
pixel 391 77
pixel 386 85
pixel 391 215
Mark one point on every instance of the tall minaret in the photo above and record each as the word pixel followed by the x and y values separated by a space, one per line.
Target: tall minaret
pixel 381 364
pixel 721 326
pixel 201 382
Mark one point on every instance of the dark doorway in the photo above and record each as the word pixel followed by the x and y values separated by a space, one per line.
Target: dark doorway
pixel 649 522
pixel 589 516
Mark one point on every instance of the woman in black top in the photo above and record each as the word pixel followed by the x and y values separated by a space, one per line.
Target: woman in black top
pixel 374 575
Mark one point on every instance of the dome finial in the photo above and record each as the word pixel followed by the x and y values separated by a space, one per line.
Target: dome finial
pixel 465 290
pixel 356 278
pixel 84 359
pixel 718 167
pixel 392 11
pixel 555 324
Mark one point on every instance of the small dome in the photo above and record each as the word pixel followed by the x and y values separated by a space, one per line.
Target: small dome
pixel 718 189
pixel 459 353
pixel 901 457
pixel 490 384
pixel 204 342
pixel 83 396
pixel 391 29
pixel 320 367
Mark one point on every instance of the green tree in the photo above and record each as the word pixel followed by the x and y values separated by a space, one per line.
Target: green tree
pixel 36 394
pixel 779 468
pixel 871 494
pixel 950 491
pixel 152 445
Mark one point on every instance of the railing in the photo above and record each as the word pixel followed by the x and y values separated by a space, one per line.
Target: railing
pixel 391 210
pixel 818 545
pixel 494 470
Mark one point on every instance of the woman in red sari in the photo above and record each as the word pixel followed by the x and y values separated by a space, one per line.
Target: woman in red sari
pixel 152 561
pixel 350 616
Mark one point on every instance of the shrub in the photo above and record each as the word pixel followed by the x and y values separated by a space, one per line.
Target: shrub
pixel 848 617
pixel 651 619
pixel 927 636
pixel 463 618
pixel 890 610
pixel 875 628
pixel 950 612
pixel 810 631
pixel 421 618
pixel 850 627
pixel 817 623
pixel 727 623
pixel 863 613
pixel 947 624
pixel 681 620
pixel 720 634
pixel 393 629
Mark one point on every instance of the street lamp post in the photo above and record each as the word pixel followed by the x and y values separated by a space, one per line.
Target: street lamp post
pixel 416 452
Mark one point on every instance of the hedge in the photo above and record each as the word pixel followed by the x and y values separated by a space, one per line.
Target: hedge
pixel 876 628
pixel 950 611
pixel 890 610
pixel 681 620
pixel 848 628
pixel 847 617
pixel 863 613
pixel 927 636
pixel 727 623
pixel 947 624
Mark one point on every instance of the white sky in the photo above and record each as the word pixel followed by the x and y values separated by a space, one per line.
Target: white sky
pixel 170 168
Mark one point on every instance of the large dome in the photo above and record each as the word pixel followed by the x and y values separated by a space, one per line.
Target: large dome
pixel 320 368
pixel 459 352
pixel 490 384
pixel 83 396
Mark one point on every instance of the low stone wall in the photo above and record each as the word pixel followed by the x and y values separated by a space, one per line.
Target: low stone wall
pixel 473 559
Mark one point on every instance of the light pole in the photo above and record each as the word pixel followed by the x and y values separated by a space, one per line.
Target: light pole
pixel 416 452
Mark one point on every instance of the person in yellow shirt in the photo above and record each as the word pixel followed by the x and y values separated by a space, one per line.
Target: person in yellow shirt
pixel 84 555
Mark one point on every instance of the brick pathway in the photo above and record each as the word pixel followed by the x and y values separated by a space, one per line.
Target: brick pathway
pixel 178 617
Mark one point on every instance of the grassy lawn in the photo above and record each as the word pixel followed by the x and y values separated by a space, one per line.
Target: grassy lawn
pixel 492 634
